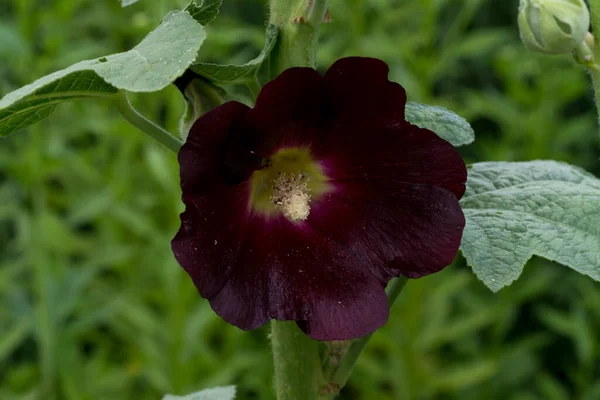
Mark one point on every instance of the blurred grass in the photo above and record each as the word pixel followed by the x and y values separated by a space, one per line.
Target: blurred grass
pixel 93 306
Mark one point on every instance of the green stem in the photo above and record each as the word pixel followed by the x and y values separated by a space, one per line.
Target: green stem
pixel 337 376
pixel 595 18
pixel 298 22
pixel 595 73
pixel 138 120
pixel 297 363
pixel 395 288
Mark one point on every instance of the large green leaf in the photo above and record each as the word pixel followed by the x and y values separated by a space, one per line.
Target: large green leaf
pixel 157 61
pixel 517 210
pixel 205 12
pixel 220 393
pixel 446 124
pixel 239 74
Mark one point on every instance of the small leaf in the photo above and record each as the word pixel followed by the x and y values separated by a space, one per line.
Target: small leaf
pixel 157 61
pixel 206 12
pixel 239 74
pixel 220 393
pixel 446 124
pixel 125 3
pixel 517 210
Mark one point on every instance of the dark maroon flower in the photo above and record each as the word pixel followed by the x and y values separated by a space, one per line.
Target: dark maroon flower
pixel 304 207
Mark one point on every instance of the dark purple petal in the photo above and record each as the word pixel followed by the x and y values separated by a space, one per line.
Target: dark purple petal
pixel 291 111
pixel 362 94
pixel 292 272
pixel 211 234
pixel 202 157
pixel 395 156
pixel 411 228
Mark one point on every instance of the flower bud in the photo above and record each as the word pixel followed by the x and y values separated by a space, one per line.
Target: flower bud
pixel 553 26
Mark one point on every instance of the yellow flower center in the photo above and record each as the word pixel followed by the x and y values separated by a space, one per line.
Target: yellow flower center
pixel 287 184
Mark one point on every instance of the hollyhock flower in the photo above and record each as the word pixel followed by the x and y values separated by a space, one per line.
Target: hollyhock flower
pixel 305 206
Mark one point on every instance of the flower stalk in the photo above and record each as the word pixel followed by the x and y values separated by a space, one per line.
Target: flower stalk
pixel 298 22
pixel 297 363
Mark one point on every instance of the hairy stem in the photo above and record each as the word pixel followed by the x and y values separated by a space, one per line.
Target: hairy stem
pixel 298 22
pixel 297 363
pixel 595 74
pixel 150 128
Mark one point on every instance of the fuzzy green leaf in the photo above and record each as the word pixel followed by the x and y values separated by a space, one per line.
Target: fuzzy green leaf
pixel 517 210
pixel 206 12
pixel 157 61
pixel 238 74
pixel 220 393
pixel 445 123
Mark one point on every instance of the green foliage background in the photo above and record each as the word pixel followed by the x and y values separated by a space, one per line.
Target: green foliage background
pixel 93 305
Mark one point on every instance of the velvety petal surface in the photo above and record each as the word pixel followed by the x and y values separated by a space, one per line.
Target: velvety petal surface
pixel 294 272
pixel 361 93
pixel 394 156
pixel 395 200
pixel 202 158
pixel 293 110
pixel 408 229
pixel 211 235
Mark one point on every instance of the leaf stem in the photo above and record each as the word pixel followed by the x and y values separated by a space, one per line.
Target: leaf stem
pixel 337 376
pixel 297 363
pixel 595 75
pixel 123 105
pixel 395 288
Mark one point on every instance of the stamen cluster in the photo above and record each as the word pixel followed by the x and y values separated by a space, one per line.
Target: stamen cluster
pixel 292 196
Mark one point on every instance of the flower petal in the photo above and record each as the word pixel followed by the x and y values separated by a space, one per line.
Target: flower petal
pixel 202 157
pixel 208 239
pixel 288 271
pixel 211 235
pixel 362 94
pixel 394 156
pixel 407 229
pixel 292 110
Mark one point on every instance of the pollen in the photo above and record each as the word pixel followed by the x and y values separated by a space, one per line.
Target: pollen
pixel 292 196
